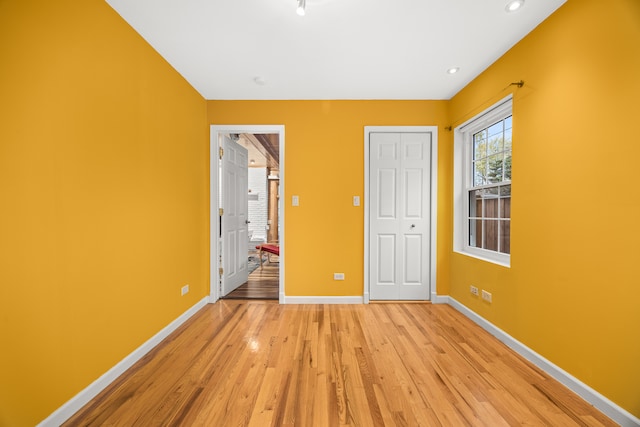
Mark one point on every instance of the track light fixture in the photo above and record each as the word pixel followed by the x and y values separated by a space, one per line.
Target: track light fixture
pixel 300 9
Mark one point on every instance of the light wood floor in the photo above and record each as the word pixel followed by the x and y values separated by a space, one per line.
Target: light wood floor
pixel 239 363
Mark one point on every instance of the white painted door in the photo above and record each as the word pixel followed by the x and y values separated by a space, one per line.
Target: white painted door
pixel 234 181
pixel 399 215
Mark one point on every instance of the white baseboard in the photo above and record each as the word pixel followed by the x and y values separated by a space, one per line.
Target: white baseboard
pixel 324 300
pixel 79 400
pixel 439 299
pixel 606 406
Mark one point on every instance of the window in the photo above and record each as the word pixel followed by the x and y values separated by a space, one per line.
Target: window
pixel 482 170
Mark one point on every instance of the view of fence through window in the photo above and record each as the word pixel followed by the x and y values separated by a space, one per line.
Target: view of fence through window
pixel 490 194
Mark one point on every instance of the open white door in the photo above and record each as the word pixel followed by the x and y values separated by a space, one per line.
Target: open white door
pixel 400 215
pixel 234 204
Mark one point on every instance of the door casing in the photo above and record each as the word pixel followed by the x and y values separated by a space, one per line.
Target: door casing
pixel 214 223
pixel 434 198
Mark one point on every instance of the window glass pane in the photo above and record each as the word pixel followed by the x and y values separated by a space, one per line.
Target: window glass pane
pixel 495 129
pixel 495 166
pixel 475 203
pixel 480 145
pixel 507 139
pixel 507 166
pixel 475 233
pixel 505 201
pixel 495 145
pixel 508 122
pixel 505 237
pixel 479 172
pixel 507 148
pixel 490 202
pixel 490 235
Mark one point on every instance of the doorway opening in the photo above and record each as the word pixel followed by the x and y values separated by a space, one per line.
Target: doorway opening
pixel 246 211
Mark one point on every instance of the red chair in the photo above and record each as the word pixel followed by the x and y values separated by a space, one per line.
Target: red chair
pixel 269 249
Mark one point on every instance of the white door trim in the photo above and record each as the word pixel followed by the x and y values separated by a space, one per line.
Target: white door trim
pixel 434 198
pixel 214 223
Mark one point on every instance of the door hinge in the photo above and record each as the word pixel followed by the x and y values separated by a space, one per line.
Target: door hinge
pixel 221 211
pixel 221 152
pixel 221 271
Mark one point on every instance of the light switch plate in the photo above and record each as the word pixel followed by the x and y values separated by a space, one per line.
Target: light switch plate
pixel 356 200
pixel 295 201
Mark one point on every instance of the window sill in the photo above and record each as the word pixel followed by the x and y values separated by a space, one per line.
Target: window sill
pixel 498 259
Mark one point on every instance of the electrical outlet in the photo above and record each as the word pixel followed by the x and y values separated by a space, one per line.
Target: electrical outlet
pixel 486 296
pixel 184 290
pixel 338 276
pixel 474 290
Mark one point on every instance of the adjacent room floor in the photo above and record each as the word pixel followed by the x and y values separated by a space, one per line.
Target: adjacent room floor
pixel 263 282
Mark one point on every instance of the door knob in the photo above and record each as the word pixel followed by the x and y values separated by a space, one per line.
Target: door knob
pixel 413 226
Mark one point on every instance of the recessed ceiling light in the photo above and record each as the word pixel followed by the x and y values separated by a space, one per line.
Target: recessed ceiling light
pixel 514 5
pixel 453 70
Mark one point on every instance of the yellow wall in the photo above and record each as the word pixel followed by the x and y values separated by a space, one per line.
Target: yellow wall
pixel 104 199
pixel 324 165
pixel 571 293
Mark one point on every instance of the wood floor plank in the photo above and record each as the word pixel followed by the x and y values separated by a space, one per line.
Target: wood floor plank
pixel 258 363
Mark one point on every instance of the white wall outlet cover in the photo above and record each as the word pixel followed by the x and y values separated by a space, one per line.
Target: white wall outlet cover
pixel 486 296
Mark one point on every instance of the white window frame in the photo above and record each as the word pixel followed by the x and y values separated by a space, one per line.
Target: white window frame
pixel 462 146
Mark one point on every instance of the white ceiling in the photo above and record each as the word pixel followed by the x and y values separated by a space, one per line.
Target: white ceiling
pixel 341 49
